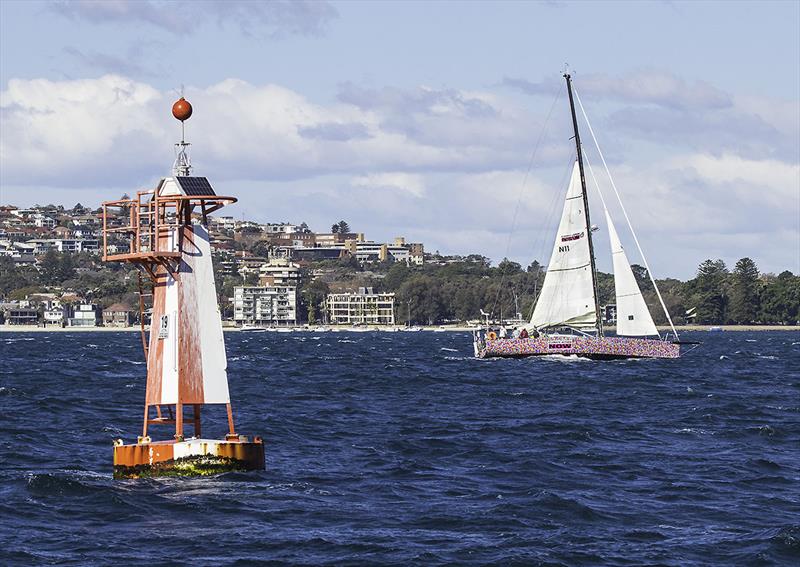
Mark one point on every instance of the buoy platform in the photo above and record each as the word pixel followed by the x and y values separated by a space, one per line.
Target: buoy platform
pixel 191 457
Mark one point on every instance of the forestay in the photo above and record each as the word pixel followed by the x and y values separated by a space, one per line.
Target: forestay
pixel 567 296
pixel 633 317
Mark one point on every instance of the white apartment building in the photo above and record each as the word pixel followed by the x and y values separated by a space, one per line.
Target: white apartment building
pixel 43 221
pixel 265 305
pixel 279 272
pixel 363 308
pixel 223 223
pixel 54 314
pixel 399 251
pixel 279 228
pixel 71 245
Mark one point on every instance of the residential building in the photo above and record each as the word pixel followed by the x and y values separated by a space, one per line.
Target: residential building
pixel 43 221
pixel 54 314
pixel 118 315
pixel 363 308
pixel 222 223
pixel 279 228
pixel 22 316
pixel 279 272
pixel 265 305
pixel 83 315
pixel 71 245
pixel 399 251
pixel 337 238
pixel 318 253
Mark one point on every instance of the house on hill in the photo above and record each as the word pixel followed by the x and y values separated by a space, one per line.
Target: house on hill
pixel 118 315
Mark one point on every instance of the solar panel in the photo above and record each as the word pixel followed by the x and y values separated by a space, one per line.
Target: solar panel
pixel 195 186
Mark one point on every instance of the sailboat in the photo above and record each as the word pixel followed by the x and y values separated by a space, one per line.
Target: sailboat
pixel 566 319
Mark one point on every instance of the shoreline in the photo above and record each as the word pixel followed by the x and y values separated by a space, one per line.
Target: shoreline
pixel 329 328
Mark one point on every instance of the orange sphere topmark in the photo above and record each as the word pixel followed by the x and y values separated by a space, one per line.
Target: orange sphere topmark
pixel 182 110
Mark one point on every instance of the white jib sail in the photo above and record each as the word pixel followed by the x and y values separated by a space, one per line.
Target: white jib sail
pixel 567 297
pixel 633 317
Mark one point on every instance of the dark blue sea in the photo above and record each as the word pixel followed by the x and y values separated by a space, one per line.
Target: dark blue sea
pixel 400 448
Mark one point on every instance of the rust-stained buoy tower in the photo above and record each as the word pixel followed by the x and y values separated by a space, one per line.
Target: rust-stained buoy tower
pixel 166 231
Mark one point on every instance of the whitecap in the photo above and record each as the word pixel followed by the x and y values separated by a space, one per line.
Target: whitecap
pixel 566 358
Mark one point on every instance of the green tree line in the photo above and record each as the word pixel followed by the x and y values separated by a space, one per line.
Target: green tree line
pixel 458 291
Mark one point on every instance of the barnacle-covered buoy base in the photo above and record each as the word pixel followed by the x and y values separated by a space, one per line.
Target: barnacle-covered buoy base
pixel 192 457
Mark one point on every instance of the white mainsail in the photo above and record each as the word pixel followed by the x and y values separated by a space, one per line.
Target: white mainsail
pixel 633 317
pixel 567 296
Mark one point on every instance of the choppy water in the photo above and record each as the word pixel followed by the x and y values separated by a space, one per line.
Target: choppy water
pixel 400 448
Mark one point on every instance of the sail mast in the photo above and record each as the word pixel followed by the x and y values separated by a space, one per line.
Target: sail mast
pixel 585 204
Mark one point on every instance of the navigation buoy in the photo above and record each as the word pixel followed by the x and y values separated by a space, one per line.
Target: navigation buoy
pixel 164 233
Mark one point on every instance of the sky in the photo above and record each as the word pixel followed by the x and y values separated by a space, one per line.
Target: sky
pixel 443 122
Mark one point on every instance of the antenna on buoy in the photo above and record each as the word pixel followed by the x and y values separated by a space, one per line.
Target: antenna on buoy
pixel 182 110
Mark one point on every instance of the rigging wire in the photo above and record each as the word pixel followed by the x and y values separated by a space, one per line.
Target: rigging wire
pixel 625 213
pixel 522 190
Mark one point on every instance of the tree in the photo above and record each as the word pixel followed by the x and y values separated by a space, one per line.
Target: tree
pixel 709 293
pixel 395 277
pixel 744 292
pixel 312 299
pixel 66 268
pixel 50 267
pixel 344 228
pixel 427 302
pixel 534 268
pixel 780 299
pixel 335 228
pixel 508 268
pixel 642 277
pixel 13 277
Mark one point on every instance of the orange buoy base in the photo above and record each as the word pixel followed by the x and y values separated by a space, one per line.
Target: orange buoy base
pixel 191 457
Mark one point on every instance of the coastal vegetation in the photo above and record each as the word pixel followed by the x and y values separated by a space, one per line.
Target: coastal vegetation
pixel 444 289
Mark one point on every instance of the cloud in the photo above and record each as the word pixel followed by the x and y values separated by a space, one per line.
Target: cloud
pixel 128 64
pixel 274 19
pixel 660 108
pixel 54 130
pixel 335 131
pixel 724 130
pixel 641 87
pixel 72 131
pixel 410 183
pixel 461 121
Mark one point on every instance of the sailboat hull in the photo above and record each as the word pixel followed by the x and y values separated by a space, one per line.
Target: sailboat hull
pixel 601 348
